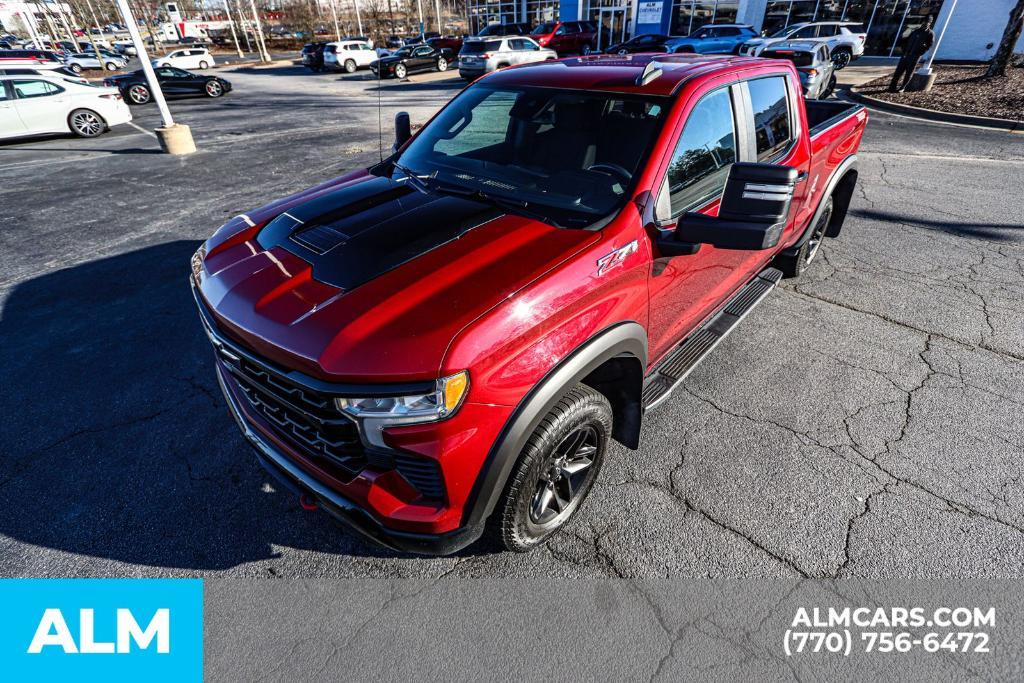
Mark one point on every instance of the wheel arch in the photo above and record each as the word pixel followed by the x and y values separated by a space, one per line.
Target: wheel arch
pixel 612 362
pixel 840 187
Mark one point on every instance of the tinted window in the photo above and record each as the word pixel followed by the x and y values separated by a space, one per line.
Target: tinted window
pixel 771 115
pixel 543 29
pixel 798 57
pixel 572 28
pixel 3 92
pixel 704 153
pixel 806 32
pixel 827 30
pixel 26 89
pixel 728 31
pixel 479 46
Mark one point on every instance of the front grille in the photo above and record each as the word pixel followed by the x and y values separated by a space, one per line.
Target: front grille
pixel 300 415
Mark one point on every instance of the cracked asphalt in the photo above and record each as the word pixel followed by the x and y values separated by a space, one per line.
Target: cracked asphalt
pixel 864 421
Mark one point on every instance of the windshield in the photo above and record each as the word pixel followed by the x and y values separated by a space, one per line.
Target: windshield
pixel 566 156
pixel 543 29
pixel 402 52
pixel 783 32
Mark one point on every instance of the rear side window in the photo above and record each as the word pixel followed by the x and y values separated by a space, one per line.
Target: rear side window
pixel 771 115
pixel 27 89
pixel 705 152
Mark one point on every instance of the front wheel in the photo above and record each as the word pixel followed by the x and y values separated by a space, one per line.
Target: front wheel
pixel 587 49
pixel 203 65
pixel 555 471
pixel 77 68
pixel 86 123
pixel 442 64
pixel 214 89
pixel 401 72
pixel 110 66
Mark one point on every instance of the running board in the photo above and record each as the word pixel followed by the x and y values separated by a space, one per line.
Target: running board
pixel 685 357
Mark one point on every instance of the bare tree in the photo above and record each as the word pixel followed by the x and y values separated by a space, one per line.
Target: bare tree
pixel 1010 37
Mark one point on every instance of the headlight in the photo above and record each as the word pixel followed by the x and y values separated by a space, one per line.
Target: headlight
pixel 197 263
pixel 376 413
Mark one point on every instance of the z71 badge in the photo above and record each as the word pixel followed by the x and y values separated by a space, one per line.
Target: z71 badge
pixel 615 258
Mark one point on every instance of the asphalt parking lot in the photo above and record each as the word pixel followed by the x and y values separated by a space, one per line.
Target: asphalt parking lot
pixel 864 421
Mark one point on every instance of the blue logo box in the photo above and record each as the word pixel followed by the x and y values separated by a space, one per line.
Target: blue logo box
pixel 101 629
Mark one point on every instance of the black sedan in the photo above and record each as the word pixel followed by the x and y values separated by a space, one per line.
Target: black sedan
pixel 174 82
pixel 410 59
pixel 648 42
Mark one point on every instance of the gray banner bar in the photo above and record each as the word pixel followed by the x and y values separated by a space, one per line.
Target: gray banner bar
pixel 374 630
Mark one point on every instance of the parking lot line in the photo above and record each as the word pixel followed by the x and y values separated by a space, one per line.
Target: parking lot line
pixel 141 129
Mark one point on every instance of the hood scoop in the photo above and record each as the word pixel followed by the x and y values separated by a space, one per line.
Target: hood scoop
pixel 357 233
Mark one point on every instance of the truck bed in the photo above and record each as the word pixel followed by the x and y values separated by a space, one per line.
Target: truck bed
pixel 823 114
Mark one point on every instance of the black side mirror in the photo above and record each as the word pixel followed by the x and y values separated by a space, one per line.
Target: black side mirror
pixel 751 216
pixel 403 129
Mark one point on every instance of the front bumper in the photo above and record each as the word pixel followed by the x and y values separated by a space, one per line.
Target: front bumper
pixel 299 482
pixel 379 501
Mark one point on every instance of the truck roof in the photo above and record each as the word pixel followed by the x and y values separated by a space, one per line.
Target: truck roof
pixel 618 73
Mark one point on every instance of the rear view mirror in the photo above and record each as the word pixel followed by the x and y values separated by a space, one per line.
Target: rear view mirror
pixel 403 129
pixel 751 215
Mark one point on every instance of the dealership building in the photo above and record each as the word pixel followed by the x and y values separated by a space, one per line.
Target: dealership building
pixel 973 28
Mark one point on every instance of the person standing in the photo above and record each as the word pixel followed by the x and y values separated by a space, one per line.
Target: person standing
pixel 914 46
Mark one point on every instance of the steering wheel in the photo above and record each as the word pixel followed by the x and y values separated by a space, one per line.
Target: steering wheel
pixel 611 169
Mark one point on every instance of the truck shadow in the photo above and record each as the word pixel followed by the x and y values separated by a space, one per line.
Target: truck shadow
pixel 117 442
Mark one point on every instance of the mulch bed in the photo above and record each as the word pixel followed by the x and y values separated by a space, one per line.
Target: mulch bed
pixel 962 90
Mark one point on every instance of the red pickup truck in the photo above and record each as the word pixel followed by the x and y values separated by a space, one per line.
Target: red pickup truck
pixel 444 345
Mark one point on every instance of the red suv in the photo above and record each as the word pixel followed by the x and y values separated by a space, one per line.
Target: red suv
pixel 445 344
pixel 566 37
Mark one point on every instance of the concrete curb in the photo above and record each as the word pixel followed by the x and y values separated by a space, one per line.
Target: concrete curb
pixel 257 65
pixel 1008 125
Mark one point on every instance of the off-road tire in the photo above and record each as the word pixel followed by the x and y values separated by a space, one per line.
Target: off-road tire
pixel 581 410
pixel 794 264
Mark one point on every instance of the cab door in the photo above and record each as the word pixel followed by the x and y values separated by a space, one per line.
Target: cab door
pixel 10 123
pixel 42 105
pixel 749 120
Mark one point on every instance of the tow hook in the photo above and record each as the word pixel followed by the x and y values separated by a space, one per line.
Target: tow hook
pixel 307 502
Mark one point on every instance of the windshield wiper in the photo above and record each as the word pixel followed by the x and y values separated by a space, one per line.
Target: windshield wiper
pixel 417 181
pixel 513 205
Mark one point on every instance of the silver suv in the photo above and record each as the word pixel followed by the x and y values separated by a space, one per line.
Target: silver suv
pixel 484 55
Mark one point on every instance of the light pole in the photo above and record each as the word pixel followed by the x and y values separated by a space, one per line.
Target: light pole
pixel 264 55
pixel 234 36
pixel 419 8
pixel 437 8
pixel 175 138
pixel 334 13
pixel 359 18
pixel 926 71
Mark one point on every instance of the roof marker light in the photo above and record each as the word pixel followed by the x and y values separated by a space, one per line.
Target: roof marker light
pixel 650 73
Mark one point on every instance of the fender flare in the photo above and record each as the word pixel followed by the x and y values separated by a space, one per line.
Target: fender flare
pixel 847 164
pixel 623 339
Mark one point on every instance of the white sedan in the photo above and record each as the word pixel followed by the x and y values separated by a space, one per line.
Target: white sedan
pixel 36 105
pixel 188 58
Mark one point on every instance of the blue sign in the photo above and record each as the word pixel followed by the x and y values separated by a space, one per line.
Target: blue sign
pixel 101 629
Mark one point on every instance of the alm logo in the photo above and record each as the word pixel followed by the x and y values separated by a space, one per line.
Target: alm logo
pixel 53 632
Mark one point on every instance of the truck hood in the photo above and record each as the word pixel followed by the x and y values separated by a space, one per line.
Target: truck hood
pixel 367 279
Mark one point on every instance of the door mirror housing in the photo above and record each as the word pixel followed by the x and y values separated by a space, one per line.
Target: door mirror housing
pixel 403 129
pixel 751 215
